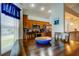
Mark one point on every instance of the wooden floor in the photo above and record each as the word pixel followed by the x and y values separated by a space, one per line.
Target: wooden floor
pixel 56 49
pixel 53 50
pixel 72 49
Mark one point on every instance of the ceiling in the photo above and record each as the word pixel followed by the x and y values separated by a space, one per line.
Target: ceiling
pixel 36 10
pixel 48 6
pixel 71 17
pixel 73 6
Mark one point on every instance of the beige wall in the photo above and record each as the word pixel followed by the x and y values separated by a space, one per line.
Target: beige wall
pixel 71 22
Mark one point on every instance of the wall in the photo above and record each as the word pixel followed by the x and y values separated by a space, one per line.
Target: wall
pixel 28 22
pixel 34 17
pixel 38 18
pixel 57 12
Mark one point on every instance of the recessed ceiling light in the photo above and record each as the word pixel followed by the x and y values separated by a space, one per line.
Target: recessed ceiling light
pixel 42 8
pixel 32 5
pixel 71 23
pixel 49 11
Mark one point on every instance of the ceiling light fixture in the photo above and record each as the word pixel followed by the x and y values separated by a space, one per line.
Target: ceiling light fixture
pixel 71 23
pixel 32 5
pixel 49 11
pixel 42 8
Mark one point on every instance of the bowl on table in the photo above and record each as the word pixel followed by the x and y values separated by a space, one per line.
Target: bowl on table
pixel 43 40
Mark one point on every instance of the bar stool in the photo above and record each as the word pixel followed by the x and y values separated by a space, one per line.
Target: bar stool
pixel 56 36
pixel 65 37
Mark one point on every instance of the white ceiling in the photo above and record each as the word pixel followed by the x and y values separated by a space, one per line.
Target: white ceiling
pixel 36 10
